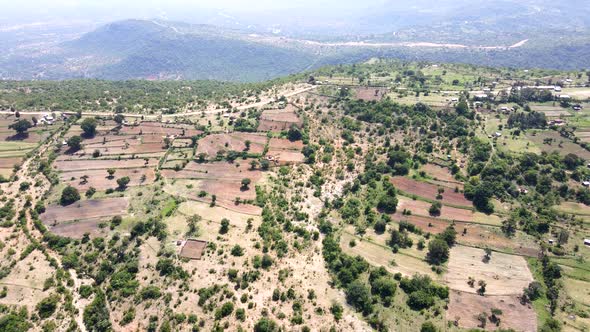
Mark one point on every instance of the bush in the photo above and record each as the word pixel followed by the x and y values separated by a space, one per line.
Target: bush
pixel 88 125
pixel 226 309
pixel 438 252
pixel 69 195
pixel 428 327
pixel 237 251
pixel 359 297
pixel 47 306
pixel 150 292
pixel 266 325
pixel 387 204
pixel 420 299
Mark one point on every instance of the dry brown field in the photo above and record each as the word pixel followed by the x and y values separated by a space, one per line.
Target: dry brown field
pixel 466 307
pixel 99 180
pixel 193 249
pixel 66 164
pixel 429 191
pixel 88 209
pixel 214 143
pixel 279 119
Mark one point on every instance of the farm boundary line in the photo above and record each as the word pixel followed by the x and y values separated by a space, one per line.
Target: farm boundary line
pixel 223 207
pixel 456 221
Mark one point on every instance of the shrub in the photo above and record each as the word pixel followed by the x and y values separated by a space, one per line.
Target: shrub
pixel 47 306
pixel 226 309
pixel 69 195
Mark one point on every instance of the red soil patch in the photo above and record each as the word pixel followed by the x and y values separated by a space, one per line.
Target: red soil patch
pixel 285 152
pixel 279 120
pixel 162 129
pixel 467 306
pixel 123 149
pixel 429 191
pixel 77 229
pixel 10 162
pixel 82 210
pixel 447 212
pixel 65 165
pixel 439 173
pixel 222 171
pixel 370 93
pixel 98 179
pixel 212 144
pixel 223 180
pixel 193 249
pixel 285 144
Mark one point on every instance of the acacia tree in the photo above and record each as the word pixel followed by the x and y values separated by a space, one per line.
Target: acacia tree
pixel 21 126
pixel 89 125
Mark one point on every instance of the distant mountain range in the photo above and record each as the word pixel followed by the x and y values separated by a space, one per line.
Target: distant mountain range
pixel 153 49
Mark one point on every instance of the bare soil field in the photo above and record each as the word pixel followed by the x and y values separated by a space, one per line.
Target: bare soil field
pixel 429 191
pixel 66 164
pixel 99 180
pixel 77 229
pixel 440 173
pixel 421 208
pixel 212 144
pixel 162 129
pixel 225 191
pixel 370 93
pixel 279 119
pixel 124 150
pixel 89 209
pixel 504 274
pixel 467 306
pixel 10 162
pixel 285 152
pixel 223 171
pixel 284 144
pixel 193 249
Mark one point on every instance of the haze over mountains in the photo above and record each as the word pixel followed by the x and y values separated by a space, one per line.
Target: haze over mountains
pixel 237 44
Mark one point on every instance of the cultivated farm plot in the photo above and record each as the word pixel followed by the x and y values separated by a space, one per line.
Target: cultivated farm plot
pixel 279 120
pixel 160 129
pixel 285 152
pixel 440 173
pixel 221 179
pixel 473 234
pixel 67 164
pixel 193 249
pixel 83 216
pixel 99 179
pixel 212 144
pixel 429 191
pixel 559 144
pixel 447 212
pixel 504 274
pixel 578 290
pixel 370 93
pixel 378 255
pixel 467 306
pixel 574 208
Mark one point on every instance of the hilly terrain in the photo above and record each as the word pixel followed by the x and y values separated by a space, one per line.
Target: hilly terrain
pixel 515 36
